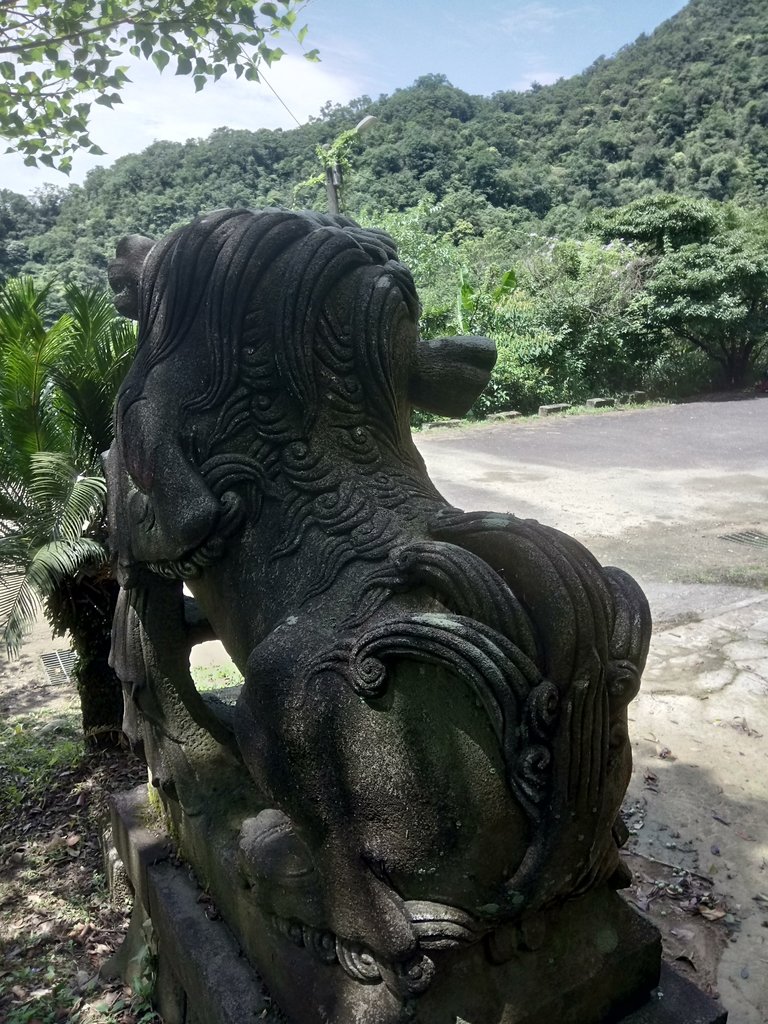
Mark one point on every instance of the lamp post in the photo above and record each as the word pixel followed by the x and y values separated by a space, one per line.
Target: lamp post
pixel 334 173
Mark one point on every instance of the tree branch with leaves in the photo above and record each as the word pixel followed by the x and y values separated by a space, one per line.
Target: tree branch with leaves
pixel 58 59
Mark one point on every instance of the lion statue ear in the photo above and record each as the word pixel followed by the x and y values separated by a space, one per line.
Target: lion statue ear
pixel 448 374
pixel 124 273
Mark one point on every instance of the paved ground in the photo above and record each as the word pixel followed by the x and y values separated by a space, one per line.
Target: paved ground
pixel 654 491
pixel 650 490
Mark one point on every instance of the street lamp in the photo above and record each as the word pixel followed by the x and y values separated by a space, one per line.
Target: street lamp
pixel 334 174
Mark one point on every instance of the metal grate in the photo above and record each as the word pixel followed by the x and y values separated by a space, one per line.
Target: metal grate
pixel 753 537
pixel 58 665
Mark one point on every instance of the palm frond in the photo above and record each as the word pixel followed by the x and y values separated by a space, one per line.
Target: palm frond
pixel 19 607
pixel 57 387
pixel 27 350
pixel 73 500
pixel 22 593
pixel 14 498
pixel 22 306
pixel 15 552
pixel 88 378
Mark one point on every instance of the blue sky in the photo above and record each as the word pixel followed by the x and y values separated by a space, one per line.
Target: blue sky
pixel 368 48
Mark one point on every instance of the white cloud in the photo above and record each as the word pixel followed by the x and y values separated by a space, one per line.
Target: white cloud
pixel 167 107
pixel 531 18
pixel 539 18
pixel 170 109
pixel 526 80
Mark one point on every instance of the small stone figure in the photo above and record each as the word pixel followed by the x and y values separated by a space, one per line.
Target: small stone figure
pixel 422 775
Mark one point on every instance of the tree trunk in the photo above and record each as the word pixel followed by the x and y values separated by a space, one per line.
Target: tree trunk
pixel 84 608
pixel 736 367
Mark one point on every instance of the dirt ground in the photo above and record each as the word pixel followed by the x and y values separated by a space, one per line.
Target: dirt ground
pixel 58 925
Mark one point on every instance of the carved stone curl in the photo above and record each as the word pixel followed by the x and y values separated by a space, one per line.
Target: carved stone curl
pixel 430 746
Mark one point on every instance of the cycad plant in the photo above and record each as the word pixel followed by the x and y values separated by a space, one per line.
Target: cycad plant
pixel 58 382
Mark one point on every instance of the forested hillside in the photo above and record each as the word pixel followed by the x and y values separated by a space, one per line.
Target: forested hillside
pixel 682 110
pixel 609 231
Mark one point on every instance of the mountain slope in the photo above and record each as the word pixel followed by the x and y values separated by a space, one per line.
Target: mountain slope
pixel 684 109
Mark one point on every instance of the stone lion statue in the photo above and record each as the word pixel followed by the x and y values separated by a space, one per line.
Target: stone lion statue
pixel 429 750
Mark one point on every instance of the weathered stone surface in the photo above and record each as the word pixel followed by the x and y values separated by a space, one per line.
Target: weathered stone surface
pixel 168 996
pixel 201 958
pixel 677 1001
pixel 550 410
pixel 418 786
pixel 137 843
pixel 601 403
pixel 439 424
pixel 598 944
pixel 511 414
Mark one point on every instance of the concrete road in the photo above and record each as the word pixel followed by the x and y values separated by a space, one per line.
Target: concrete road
pixel 652 490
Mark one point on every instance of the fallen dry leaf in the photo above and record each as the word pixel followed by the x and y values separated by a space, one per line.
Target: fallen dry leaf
pixel 686 959
pixel 709 914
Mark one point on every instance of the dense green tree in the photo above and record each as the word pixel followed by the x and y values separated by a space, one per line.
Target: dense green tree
pixel 713 295
pixel 57 385
pixel 662 222
pixel 581 293
pixel 705 275
pixel 540 161
pixel 21 219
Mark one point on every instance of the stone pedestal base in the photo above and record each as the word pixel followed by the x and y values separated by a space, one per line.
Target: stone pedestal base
pixel 677 1001
pixel 596 964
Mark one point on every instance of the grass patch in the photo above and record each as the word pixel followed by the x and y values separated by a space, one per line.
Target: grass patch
pixel 574 410
pixel 34 751
pixel 753 576
pixel 583 410
pixel 216 677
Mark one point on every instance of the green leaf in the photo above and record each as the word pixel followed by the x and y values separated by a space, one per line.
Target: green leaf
pixel 506 286
pixel 161 59
pixel 301 35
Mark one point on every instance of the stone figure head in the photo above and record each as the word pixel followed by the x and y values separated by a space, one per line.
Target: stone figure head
pixel 267 329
